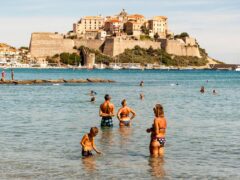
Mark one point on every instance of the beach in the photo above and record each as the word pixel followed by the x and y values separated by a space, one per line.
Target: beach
pixel 41 125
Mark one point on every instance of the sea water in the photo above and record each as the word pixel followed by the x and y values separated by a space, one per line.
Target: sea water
pixel 41 125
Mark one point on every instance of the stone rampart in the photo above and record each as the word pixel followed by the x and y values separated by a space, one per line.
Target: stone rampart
pixel 179 48
pixel 49 44
pixel 90 43
pixel 115 46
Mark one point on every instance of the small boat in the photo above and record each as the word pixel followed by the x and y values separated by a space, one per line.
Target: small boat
pixel 237 69
pixel 116 67
pixel 134 67
pixel 100 67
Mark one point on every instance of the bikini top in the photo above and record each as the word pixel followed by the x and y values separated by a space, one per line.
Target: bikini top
pixel 125 113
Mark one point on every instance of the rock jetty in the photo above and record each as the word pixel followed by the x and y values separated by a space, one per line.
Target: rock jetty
pixel 56 81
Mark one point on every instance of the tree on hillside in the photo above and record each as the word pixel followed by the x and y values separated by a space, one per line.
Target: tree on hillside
pixel 156 36
pixel 183 35
pixel 145 30
pixel 72 59
pixel 150 50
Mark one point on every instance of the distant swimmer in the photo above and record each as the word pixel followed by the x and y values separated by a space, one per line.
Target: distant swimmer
pixel 202 90
pixel 123 114
pixel 141 83
pixel 93 99
pixel 92 93
pixel 106 111
pixel 214 92
pixel 158 132
pixel 177 84
pixel 12 74
pixel 88 144
pixel 141 96
pixel 3 75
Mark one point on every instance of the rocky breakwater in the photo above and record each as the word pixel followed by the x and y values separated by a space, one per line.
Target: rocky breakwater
pixel 56 81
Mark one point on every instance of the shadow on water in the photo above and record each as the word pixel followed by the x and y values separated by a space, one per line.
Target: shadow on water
pixel 106 138
pixel 125 134
pixel 89 164
pixel 157 167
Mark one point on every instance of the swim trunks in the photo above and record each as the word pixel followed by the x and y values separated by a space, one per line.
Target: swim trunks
pixel 161 140
pixel 126 123
pixel 106 122
pixel 86 153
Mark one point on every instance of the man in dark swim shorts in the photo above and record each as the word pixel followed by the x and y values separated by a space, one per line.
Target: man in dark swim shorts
pixel 106 111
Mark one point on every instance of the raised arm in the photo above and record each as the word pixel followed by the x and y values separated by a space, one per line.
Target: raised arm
pixel 133 113
pixel 119 113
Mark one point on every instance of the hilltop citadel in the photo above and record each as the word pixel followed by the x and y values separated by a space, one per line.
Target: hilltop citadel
pixel 111 36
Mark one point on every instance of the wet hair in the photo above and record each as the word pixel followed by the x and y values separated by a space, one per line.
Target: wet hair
pixel 123 101
pixel 94 131
pixel 158 110
pixel 107 97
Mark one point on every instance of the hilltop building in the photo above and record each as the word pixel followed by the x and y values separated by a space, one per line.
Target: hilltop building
pixel 88 24
pixel 113 26
pixel 111 35
pixel 8 54
pixel 158 25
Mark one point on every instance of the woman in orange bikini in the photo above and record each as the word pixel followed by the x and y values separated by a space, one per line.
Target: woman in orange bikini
pixel 158 132
pixel 123 114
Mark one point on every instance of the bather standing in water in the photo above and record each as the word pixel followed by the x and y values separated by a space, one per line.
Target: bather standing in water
pixel 158 132
pixel 93 99
pixel 202 90
pixel 123 114
pixel 106 111
pixel 141 96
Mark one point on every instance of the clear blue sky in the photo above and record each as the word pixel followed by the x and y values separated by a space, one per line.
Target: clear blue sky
pixel 215 23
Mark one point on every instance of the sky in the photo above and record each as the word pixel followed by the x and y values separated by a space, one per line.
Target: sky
pixel 214 23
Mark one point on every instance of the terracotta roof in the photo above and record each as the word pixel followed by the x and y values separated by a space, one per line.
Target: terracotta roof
pixel 4 45
pixel 134 22
pixel 160 18
pixel 93 17
pixel 113 20
pixel 135 16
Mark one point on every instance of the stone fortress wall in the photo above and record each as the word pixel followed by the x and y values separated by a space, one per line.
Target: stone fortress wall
pixel 49 44
pixel 187 47
pixel 115 46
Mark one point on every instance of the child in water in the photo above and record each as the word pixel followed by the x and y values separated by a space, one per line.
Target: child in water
pixel 87 142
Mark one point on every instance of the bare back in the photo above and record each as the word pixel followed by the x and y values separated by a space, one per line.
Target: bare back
pixel 160 125
pixel 106 109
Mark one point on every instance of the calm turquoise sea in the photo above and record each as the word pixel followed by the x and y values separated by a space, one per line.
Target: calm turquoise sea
pixel 41 126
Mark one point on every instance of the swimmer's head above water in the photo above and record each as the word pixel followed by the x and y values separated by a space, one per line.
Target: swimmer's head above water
pixel 124 102
pixel 107 97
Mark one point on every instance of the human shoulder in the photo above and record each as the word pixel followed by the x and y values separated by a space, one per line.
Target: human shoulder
pixel 85 136
pixel 111 104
